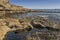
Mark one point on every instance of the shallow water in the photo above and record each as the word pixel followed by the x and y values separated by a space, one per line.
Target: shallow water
pixel 51 16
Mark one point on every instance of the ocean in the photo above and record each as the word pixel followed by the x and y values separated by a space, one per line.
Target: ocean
pixel 52 14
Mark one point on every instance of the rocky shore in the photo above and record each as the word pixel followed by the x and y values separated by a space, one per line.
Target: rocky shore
pixel 7 8
pixel 19 26
pixel 28 28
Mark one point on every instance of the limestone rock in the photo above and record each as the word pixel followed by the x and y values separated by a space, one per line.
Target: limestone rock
pixel 45 22
pixel 3 30
pixel 6 5
pixel 7 8
pixel 20 26
pixel 12 25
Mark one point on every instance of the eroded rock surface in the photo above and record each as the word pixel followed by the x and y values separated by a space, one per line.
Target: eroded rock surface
pixel 45 22
pixel 7 8
pixel 3 29
pixel 10 24
pixel 22 29
pixel 44 35
pixel 19 26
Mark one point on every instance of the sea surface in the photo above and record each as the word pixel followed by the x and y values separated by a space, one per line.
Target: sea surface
pixel 52 15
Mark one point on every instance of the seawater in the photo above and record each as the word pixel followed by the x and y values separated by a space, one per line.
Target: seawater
pixel 51 16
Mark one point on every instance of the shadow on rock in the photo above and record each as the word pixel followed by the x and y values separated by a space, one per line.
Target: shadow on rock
pixel 11 36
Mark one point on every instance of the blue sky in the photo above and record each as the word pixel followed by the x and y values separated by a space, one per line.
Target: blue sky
pixel 37 4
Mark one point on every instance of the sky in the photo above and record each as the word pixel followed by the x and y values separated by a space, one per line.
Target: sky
pixel 37 4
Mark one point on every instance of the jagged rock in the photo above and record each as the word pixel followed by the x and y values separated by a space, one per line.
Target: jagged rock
pixel 7 8
pixel 19 26
pixel 45 22
pixel 3 30
pixel 12 25
pixel 25 25
pixel 42 36
pixel 16 24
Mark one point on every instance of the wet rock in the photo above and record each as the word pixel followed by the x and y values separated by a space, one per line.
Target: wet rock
pixel 13 25
pixel 45 23
pixel 19 26
pixel 48 35
pixel 3 30
pixel 36 11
